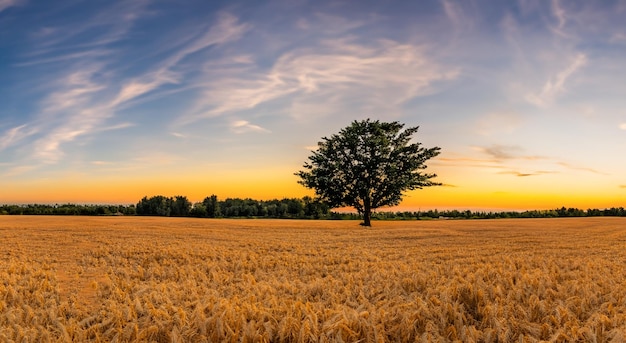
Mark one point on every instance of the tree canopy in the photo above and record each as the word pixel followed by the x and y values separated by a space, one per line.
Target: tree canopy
pixel 367 165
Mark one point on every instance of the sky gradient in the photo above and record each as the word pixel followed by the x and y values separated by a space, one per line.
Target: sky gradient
pixel 108 101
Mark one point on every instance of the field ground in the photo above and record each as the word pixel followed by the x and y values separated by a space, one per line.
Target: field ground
pixel 139 279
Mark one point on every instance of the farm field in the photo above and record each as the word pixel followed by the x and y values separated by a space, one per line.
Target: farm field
pixel 143 279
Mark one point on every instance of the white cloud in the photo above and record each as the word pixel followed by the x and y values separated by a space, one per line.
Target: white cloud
pixel 147 83
pixel 116 20
pixel 556 84
pixel 67 57
pixel 243 126
pixel 76 89
pixel 226 29
pixel 78 105
pixel 453 11
pixel 4 4
pixel 559 13
pixel 14 135
pixel 116 127
pixel 378 78
pixel 48 148
pixel 72 111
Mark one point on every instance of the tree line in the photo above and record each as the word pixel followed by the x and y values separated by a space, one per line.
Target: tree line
pixel 68 210
pixel 212 207
pixel 456 214
pixel 296 208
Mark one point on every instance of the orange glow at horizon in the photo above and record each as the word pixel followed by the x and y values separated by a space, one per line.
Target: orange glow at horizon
pixel 271 184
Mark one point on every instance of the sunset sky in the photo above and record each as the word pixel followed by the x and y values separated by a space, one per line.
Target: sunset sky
pixel 108 101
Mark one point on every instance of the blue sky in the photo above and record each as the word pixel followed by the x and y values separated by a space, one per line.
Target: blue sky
pixel 107 101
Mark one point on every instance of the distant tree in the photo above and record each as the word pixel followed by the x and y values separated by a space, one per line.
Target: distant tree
pixel 295 207
pixel 314 208
pixel 367 165
pixel 161 205
pixel 180 206
pixel 198 210
pixel 212 206
pixel 154 206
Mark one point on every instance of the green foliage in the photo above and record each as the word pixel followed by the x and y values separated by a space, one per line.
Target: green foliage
pixel 212 207
pixel 178 206
pixel 305 208
pixel 467 214
pixel 367 165
pixel 68 210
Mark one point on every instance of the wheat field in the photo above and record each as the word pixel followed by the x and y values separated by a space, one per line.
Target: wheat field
pixel 140 279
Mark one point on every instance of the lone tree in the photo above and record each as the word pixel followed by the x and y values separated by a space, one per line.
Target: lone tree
pixel 367 165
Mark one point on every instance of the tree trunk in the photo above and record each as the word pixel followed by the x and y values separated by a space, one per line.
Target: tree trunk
pixel 367 214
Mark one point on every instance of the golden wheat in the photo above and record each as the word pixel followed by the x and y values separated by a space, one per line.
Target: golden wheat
pixel 83 279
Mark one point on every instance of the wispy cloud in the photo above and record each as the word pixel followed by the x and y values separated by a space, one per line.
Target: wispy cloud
pixel 14 135
pixel 451 10
pixel 4 4
pixel 556 84
pixel 116 127
pixel 383 76
pixel 226 29
pixel 512 160
pixel 501 152
pixel 581 168
pixel 71 111
pixel 457 13
pixel 506 152
pixel 243 126
pixel 66 57
pixel 145 84
pixel 77 103
pixel 559 13
pixel 468 162
pixel 83 93
pixel 526 174
pixel 109 24
pixel 622 126
pixel 75 89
